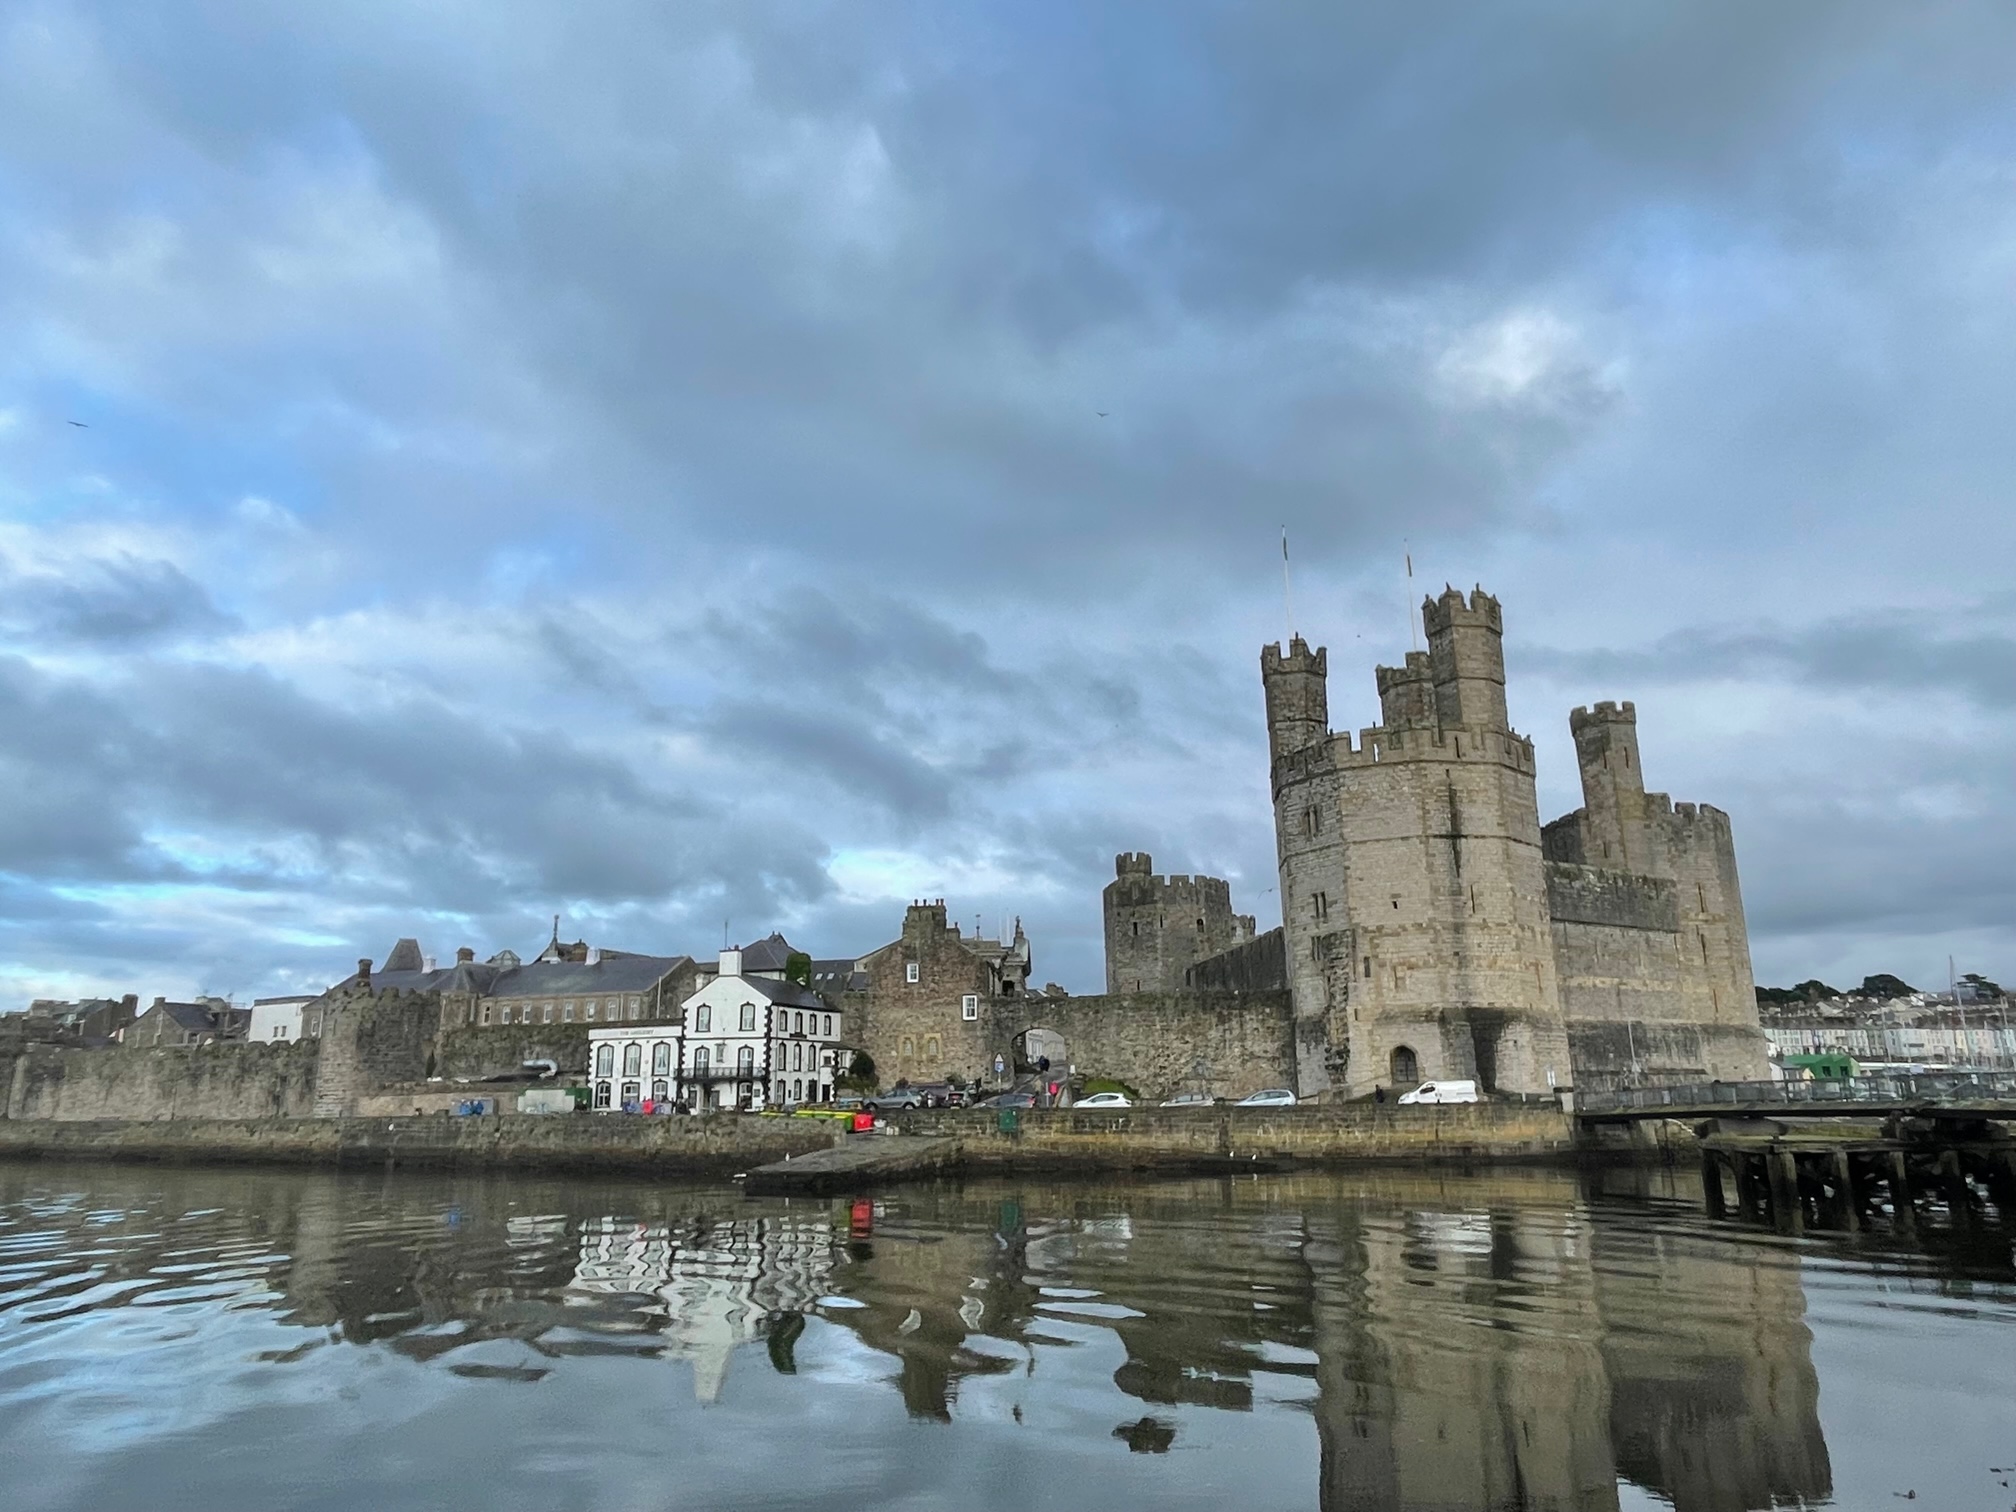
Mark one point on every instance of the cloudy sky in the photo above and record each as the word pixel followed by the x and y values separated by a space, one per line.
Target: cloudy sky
pixel 754 464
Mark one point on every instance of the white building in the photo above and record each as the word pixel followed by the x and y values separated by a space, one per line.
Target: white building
pixel 741 1041
pixel 281 1018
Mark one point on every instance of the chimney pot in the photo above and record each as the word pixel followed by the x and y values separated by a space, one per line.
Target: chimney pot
pixel 363 968
pixel 465 954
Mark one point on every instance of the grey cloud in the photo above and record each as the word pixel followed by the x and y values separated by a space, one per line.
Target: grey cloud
pixel 1963 650
pixel 111 603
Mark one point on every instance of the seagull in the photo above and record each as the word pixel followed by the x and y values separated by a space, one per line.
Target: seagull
pixel 1100 413
pixel 80 425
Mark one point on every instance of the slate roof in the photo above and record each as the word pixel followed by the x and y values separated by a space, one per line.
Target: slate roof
pixel 769 954
pixel 540 979
pixel 787 994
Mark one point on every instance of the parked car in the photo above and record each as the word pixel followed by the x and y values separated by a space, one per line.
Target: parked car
pixel 1269 1097
pixel 1008 1100
pixel 1441 1092
pixel 1189 1100
pixel 847 1102
pixel 1099 1100
pixel 897 1097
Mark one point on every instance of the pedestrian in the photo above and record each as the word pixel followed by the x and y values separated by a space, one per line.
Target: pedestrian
pixel 1378 1093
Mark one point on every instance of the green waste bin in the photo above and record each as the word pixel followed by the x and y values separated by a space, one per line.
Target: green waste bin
pixel 1011 1120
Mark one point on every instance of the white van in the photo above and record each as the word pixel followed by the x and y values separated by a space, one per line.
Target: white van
pixel 1441 1092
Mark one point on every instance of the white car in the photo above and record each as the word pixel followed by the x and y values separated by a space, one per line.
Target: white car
pixel 1270 1097
pixel 1441 1092
pixel 1104 1100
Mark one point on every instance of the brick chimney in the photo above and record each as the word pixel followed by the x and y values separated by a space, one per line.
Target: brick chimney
pixel 464 955
pixel 364 968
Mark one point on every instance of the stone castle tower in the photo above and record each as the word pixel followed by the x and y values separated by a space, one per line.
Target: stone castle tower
pixel 1432 931
pixel 1157 928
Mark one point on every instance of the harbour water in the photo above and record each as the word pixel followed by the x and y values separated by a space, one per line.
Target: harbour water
pixel 222 1339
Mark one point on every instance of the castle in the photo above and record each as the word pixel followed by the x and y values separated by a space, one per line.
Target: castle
pixel 1433 928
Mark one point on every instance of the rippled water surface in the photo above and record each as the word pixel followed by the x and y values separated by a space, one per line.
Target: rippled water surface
pixel 226 1339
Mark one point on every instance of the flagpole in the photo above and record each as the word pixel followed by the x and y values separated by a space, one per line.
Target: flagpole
pixel 1287 588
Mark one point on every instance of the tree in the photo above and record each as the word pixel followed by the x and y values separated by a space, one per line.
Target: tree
pixel 798 968
pixel 1884 986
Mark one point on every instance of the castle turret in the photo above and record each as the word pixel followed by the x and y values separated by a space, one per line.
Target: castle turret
pixel 1466 653
pixel 1407 693
pixel 1157 928
pixel 1298 696
pixel 1613 788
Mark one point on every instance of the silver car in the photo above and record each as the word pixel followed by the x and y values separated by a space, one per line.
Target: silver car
pixel 1270 1097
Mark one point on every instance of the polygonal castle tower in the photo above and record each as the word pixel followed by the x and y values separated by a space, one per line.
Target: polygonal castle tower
pixel 1157 928
pixel 1431 932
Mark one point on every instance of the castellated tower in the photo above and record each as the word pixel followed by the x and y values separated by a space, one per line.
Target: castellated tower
pixel 1159 927
pixel 1413 895
pixel 1648 923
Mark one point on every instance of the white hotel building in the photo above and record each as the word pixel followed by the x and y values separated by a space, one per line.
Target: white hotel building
pixel 744 1041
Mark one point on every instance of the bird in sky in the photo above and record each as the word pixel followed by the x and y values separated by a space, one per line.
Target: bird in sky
pixel 1100 413
pixel 80 425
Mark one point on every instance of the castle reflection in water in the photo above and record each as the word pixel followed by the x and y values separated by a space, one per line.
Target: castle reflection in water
pixel 1518 1354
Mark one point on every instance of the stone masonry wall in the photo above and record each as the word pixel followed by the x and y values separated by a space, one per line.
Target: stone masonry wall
pixel 201 1081
pixel 478 1051
pixel 1225 1043
pixel 1260 965
pixel 1158 927
pixel 371 1039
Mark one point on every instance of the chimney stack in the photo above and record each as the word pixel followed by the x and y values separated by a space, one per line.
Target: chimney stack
pixel 594 955
pixel 731 961
pixel 364 968
pixel 464 955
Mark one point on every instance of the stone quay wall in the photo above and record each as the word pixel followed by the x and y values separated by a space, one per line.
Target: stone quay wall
pixel 61 1084
pixel 1145 1139
pixel 722 1145
pixel 713 1147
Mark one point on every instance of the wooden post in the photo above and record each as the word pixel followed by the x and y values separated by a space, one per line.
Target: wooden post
pixel 1783 1170
pixel 1711 1183
pixel 1903 1214
pixel 1747 1199
pixel 1845 1206
pixel 1959 1197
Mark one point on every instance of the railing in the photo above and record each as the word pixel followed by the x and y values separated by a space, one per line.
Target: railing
pixel 1936 1087
pixel 723 1072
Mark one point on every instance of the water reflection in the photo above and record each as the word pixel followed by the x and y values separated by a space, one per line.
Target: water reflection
pixel 1523 1341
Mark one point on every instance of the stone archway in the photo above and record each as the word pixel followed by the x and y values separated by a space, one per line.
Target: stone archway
pixel 1406 1068
pixel 1033 1046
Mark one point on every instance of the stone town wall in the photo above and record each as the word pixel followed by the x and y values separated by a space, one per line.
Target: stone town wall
pixel 478 1051
pixel 47 1082
pixel 1225 1043
pixel 1260 965
pixel 370 1039
pixel 1228 1043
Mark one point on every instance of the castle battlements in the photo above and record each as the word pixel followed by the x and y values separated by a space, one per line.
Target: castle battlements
pixel 1418 840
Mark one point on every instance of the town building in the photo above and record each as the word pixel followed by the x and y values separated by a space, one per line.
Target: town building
pixel 283 1018
pixel 741 1040
pixel 920 1012
pixel 563 984
pixel 1433 928
pixel 93 1023
pixel 207 1021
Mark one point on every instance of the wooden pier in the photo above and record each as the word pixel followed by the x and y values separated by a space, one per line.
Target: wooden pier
pixel 1839 1174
